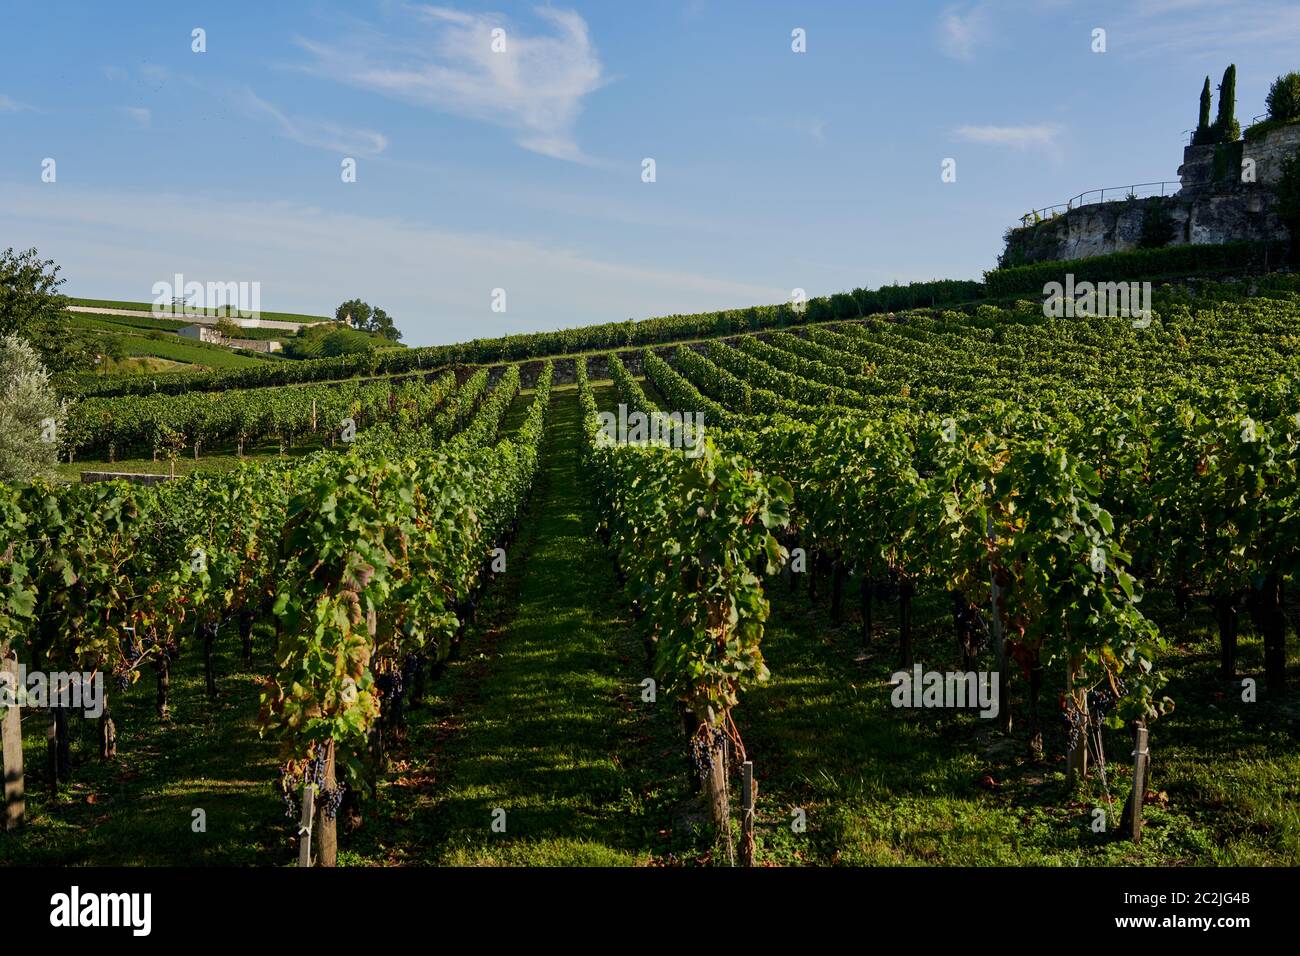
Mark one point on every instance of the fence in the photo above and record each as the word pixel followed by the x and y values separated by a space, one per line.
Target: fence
pixel 1136 191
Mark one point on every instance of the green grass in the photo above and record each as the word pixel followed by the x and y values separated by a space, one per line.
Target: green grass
pixel 148 307
pixel 139 809
pixel 541 716
pixel 148 342
pixel 881 785
pixel 193 353
pixel 143 365
pixel 119 323
pixel 221 458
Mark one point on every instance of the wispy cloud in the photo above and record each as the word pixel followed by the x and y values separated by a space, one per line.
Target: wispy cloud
pixel 10 105
pixel 437 282
pixel 1039 135
pixel 962 29
pixel 1209 27
pixel 535 87
pixel 314 132
pixel 140 115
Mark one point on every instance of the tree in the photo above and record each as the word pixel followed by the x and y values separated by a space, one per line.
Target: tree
pixel 362 317
pixel 1204 131
pixel 1227 128
pixel 227 329
pixel 381 323
pixel 1283 98
pixel 30 414
pixel 29 290
pixel 355 313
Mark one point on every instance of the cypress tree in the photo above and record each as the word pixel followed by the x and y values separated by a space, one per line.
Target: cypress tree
pixel 1227 127
pixel 1204 133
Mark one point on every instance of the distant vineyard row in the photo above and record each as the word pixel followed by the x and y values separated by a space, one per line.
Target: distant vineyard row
pixel 859 303
pixel 1042 473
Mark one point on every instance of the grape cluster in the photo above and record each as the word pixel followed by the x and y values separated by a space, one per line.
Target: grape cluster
pixel 167 650
pixel 1100 703
pixel 316 771
pixel 703 746
pixel 1073 719
pixel 294 778
pixel 289 788
pixel 131 654
pixel 390 686
pixel 331 800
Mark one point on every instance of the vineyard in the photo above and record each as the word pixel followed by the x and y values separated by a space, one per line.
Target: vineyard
pixel 467 625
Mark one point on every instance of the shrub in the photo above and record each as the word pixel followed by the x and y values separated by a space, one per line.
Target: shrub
pixel 28 448
pixel 1157 226
pixel 1283 98
pixel 1137 264
pixel 1288 195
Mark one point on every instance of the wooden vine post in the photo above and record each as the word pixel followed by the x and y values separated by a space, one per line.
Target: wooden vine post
pixel 749 794
pixel 327 824
pixel 1131 825
pixel 1076 763
pixel 715 787
pixel 305 822
pixel 999 637
pixel 11 751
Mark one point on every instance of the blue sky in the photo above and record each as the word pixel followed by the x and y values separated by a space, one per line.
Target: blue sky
pixel 479 170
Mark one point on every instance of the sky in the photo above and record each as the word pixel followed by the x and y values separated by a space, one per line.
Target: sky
pixel 523 169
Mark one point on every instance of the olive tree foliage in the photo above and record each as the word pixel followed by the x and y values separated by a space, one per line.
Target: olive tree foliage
pixel 30 413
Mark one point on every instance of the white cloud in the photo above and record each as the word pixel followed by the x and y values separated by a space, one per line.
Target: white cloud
pixel 140 115
pixel 9 105
pixel 1041 135
pixel 535 88
pixel 1210 27
pixel 437 283
pixel 962 29
pixel 312 132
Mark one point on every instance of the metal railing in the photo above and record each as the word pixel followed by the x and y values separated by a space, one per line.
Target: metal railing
pixel 1191 133
pixel 1117 193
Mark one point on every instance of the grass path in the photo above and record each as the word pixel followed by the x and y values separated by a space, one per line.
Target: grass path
pixel 542 716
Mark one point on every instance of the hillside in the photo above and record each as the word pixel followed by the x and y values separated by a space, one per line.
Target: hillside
pixel 1091 425
pixel 97 349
